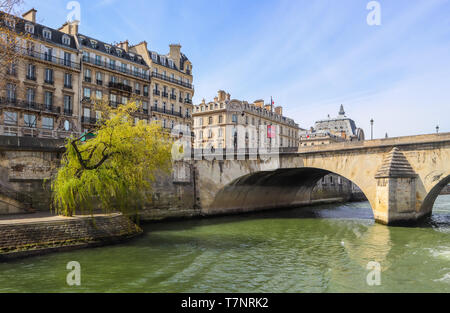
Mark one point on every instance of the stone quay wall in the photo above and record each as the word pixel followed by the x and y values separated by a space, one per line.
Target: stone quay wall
pixel 39 237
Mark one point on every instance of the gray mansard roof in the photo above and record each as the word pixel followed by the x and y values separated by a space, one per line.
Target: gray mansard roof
pixel 101 46
pixel 183 60
pixel 56 38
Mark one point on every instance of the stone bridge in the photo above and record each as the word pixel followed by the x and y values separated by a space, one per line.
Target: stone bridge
pixel 401 177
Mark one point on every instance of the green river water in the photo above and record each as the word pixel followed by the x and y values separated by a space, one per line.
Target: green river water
pixel 311 249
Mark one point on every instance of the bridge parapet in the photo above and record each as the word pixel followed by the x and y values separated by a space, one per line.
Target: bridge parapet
pixel 379 143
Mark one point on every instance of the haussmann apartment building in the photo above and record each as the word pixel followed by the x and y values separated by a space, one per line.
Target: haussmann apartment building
pixel 61 73
pixel 218 124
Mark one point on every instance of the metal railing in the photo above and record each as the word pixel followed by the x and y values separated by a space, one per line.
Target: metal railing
pixel 113 67
pixel 20 131
pixel 49 58
pixel 165 111
pixel 29 105
pixel 120 86
pixel 173 80
pixel 89 120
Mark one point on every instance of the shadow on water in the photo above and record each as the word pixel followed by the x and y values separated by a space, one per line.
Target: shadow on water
pixel 352 210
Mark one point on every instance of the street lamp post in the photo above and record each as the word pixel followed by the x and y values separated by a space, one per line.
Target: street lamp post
pixel 371 129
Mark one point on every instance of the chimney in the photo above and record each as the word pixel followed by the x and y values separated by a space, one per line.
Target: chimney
pixel 221 95
pixel 123 45
pixel 268 107
pixel 279 110
pixel 175 53
pixel 228 97
pixel 258 103
pixel 70 28
pixel 30 15
pixel 216 99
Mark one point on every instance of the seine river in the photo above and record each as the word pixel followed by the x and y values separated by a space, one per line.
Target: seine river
pixel 312 249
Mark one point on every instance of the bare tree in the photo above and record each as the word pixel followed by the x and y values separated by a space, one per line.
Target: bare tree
pixel 11 40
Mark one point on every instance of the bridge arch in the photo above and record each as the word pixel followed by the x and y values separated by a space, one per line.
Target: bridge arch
pixel 428 202
pixel 280 188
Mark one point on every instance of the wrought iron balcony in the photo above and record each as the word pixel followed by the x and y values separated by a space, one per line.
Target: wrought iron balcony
pixel 156 92
pixel 166 111
pixel 188 101
pixel 31 77
pixel 49 58
pixel 165 94
pixel 173 97
pixel 87 79
pixel 120 86
pixel 112 66
pixel 172 80
pixel 29 105
pixel 89 120
pixel 68 112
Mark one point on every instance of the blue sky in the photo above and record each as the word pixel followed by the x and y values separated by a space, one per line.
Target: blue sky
pixel 310 56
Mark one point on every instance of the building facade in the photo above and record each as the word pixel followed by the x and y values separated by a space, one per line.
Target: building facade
pixel 226 123
pixel 40 96
pixel 172 86
pixel 331 130
pixel 61 74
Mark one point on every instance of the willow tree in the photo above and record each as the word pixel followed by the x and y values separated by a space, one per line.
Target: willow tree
pixel 112 170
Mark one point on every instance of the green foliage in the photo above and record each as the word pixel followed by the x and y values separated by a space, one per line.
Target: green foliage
pixel 115 169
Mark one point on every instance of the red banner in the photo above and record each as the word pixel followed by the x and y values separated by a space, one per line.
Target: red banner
pixel 270 131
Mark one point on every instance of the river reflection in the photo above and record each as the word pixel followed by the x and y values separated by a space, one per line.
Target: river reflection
pixel 311 249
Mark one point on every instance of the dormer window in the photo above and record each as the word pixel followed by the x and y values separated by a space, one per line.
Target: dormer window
pixel 154 57
pixel 29 28
pixel 66 40
pixel 171 63
pixel 47 34
pixel 119 52
pixel 108 49
pixel 132 55
pixel 94 44
pixel 163 61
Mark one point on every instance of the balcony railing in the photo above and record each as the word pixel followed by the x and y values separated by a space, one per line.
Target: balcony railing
pixel 89 120
pixel 99 82
pixel 68 112
pixel 156 92
pixel 87 79
pixel 145 93
pixel 31 77
pixel 113 67
pixel 165 94
pixel 120 86
pixel 166 111
pixel 48 81
pixel 29 105
pixel 173 97
pixel 19 131
pixel 188 101
pixel 50 58
pixel 173 80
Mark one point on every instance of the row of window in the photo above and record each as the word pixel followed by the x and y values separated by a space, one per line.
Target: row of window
pixel 48 75
pixel 165 93
pixel 101 77
pixel 11 94
pixel 113 64
pixel 29 120
pixel 234 119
